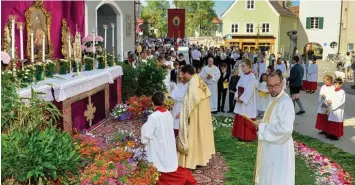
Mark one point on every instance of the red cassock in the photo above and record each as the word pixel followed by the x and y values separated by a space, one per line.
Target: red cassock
pixel 322 121
pixel 335 128
pixel 312 86
pixel 242 128
pixel 182 176
pixel 305 85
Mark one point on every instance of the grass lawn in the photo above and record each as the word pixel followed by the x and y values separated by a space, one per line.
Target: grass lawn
pixel 240 158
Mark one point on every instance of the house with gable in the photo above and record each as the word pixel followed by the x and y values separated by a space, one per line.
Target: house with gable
pixel 259 24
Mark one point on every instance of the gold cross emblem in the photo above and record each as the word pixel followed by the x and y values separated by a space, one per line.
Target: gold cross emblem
pixel 89 113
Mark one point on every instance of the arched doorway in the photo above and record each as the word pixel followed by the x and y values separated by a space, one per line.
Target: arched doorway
pixel 108 12
pixel 316 48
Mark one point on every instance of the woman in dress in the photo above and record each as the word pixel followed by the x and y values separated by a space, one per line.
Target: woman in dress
pixel 245 104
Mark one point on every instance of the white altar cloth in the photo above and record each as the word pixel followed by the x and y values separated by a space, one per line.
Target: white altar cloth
pixel 69 85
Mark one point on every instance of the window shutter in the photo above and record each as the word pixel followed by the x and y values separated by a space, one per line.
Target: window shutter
pixel 308 23
pixel 321 21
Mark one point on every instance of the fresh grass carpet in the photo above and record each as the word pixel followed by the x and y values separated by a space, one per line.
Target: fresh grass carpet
pixel 240 158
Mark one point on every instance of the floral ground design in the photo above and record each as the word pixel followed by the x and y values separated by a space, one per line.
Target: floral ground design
pixel 212 174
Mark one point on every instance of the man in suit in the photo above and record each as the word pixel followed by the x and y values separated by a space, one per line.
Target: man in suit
pixel 295 83
pixel 223 87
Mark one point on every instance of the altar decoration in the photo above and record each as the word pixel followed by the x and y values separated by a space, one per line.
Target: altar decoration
pixel 38 22
pixel 110 60
pixel 169 103
pixel 63 66
pixel 92 46
pixel 77 66
pixel 120 159
pixel 67 43
pixel 120 112
pixel 326 170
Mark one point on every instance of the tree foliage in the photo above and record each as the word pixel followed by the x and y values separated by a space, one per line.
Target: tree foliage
pixel 199 15
pixel 155 14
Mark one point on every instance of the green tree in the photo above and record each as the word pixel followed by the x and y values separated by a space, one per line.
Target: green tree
pixel 289 3
pixel 199 15
pixel 155 14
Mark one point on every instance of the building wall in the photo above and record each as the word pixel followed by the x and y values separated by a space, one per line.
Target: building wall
pixel 263 13
pixel 330 11
pixel 348 27
pixel 124 43
pixel 286 24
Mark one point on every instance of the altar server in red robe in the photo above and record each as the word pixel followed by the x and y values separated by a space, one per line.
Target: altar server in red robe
pixel 157 134
pixel 323 110
pixel 336 103
pixel 245 104
pixel 312 77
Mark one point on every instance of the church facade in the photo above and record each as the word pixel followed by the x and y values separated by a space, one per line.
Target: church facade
pixel 251 24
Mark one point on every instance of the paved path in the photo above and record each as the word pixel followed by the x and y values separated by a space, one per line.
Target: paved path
pixel 304 124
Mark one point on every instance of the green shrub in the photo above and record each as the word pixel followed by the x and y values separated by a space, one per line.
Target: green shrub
pixel 143 80
pixel 47 154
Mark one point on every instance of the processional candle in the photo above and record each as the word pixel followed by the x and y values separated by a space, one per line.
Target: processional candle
pixel 32 49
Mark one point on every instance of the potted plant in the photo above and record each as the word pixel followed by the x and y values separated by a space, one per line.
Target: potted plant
pixel 101 62
pixel 89 63
pixel 109 60
pixel 120 112
pixel 77 65
pixel 39 72
pixel 63 66
pixel 50 68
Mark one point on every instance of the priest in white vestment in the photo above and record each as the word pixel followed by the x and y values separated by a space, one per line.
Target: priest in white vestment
pixel 211 74
pixel 275 163
pixel 157 134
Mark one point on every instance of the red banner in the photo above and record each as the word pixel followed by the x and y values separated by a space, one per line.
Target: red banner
pixel 176 23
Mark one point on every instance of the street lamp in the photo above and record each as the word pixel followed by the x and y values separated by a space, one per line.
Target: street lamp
pixel 135 3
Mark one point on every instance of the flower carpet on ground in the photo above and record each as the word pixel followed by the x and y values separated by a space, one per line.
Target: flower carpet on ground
pixel 212 174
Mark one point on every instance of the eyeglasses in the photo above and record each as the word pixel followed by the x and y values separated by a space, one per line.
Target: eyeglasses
pixel 274 86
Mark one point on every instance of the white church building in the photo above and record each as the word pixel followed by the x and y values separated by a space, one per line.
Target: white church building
pixel 319 27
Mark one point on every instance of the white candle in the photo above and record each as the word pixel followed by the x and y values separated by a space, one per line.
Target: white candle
pixel 21 43
pixel 93 42
pixel 13 38
pixel 105 37
pixel 44 47
pixel 69 56
pixel 113 35
pixel 32 49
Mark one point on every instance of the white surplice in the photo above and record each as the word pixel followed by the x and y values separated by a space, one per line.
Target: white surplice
pixel 282 68
pixel 337 107
pixel 312 73
pixel 262 68
pixel 178 96
pixel 277 160
pixel 305 68
pixel 249 105
pixel 327 91
pixel 157 134
pixel 212 84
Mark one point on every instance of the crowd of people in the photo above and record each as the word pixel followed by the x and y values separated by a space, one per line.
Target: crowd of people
pixel 256 89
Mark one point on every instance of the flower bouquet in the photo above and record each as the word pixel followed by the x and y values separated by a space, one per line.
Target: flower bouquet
pixel 89 63
pixel 63 66
pixel 50 68
pixel 120 112
pixel 39 73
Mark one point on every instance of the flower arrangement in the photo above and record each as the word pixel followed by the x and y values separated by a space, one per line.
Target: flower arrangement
pixel 169 103
pixel 39 73
pixel 137 105
pixel 63 66
pixel 110 61
pixel 120 112
pixel 50 68
pixel 327 171
pixel 87 47
pixel 118 160
pixel 89 63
